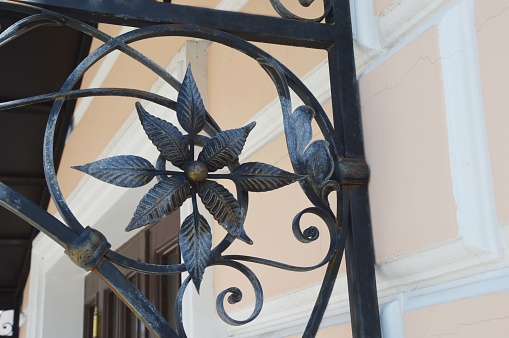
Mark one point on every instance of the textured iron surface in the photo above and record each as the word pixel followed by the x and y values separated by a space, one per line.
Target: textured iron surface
pixel 88 249
pixel 332 163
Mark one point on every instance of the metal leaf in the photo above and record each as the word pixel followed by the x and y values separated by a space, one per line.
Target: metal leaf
pixel 163 199
pixel 298 135
pixel 224 207
pixel 319 163
pixel 258 177
pixel 224 148
pixel 195 239
pixel 190 108
pixel 166 137
pixel 319 167
pixel 126 171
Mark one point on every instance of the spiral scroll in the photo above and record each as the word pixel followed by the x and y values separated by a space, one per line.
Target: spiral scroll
pixel 287 14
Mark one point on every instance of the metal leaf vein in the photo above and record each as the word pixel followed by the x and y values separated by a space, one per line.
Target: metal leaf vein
pixel 126 171
pixel 195 239
pixel 163 199
pixel 166 137
pixel 224 207
pixel 259 177
pixel 190 108
pixel 224 148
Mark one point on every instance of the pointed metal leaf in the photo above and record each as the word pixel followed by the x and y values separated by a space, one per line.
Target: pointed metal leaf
pixel 306 3
pixel 126 171
pixel 190 108
pixel 195 239
pixel 224 207
pixel 224 148
pixel 166 137
pixel 298 134
pixel 258 177
pixel 163 199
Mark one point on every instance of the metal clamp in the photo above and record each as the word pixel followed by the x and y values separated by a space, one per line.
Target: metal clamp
pixel 88 249
pixel 352 171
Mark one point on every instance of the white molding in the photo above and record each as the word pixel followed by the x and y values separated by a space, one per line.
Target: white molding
pixel 401 21
pixel 392 319
pixel 476 285
pixel 470 165
pixel 399 24
pixel 289 313
pixel 232 5
pixel 365 29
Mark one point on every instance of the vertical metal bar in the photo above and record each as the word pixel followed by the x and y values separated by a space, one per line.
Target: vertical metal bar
pixel 360 258
pixel 15 319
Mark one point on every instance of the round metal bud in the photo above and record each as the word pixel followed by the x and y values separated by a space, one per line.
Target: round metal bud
pixel 196 172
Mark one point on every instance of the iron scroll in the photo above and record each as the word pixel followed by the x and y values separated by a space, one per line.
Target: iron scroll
pixel 319 167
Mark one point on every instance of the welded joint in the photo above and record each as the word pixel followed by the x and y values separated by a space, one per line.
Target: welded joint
pixel 88 249
pixel 352 171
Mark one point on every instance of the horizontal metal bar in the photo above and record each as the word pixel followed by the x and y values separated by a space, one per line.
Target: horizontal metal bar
pixel 36 216
pixel 248 26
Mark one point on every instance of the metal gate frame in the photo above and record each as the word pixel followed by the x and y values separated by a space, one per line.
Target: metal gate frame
pixel 335 164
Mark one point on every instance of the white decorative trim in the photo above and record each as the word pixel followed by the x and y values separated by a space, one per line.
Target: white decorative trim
pixel 474 286
pixel 399 24
pixel 232 5
pixel 470 165
pixel 365 29
pixel 392 319
pixel 54 280
pixel 288 314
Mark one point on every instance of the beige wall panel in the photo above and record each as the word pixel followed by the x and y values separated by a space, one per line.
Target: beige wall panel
pixel 340 331
pixel 198 3
pixel 405 134
pixel 110 30
pixel 239 88
pixel 486 316
pixel 381 5
pixel 492 23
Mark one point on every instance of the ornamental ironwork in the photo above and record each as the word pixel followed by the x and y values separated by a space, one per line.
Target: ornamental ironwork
pixel 332 164
pixel 6 327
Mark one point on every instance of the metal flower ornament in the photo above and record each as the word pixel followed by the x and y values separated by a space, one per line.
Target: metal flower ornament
pixel 195 179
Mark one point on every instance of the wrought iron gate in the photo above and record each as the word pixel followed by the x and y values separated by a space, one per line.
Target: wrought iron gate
pixel 334 164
